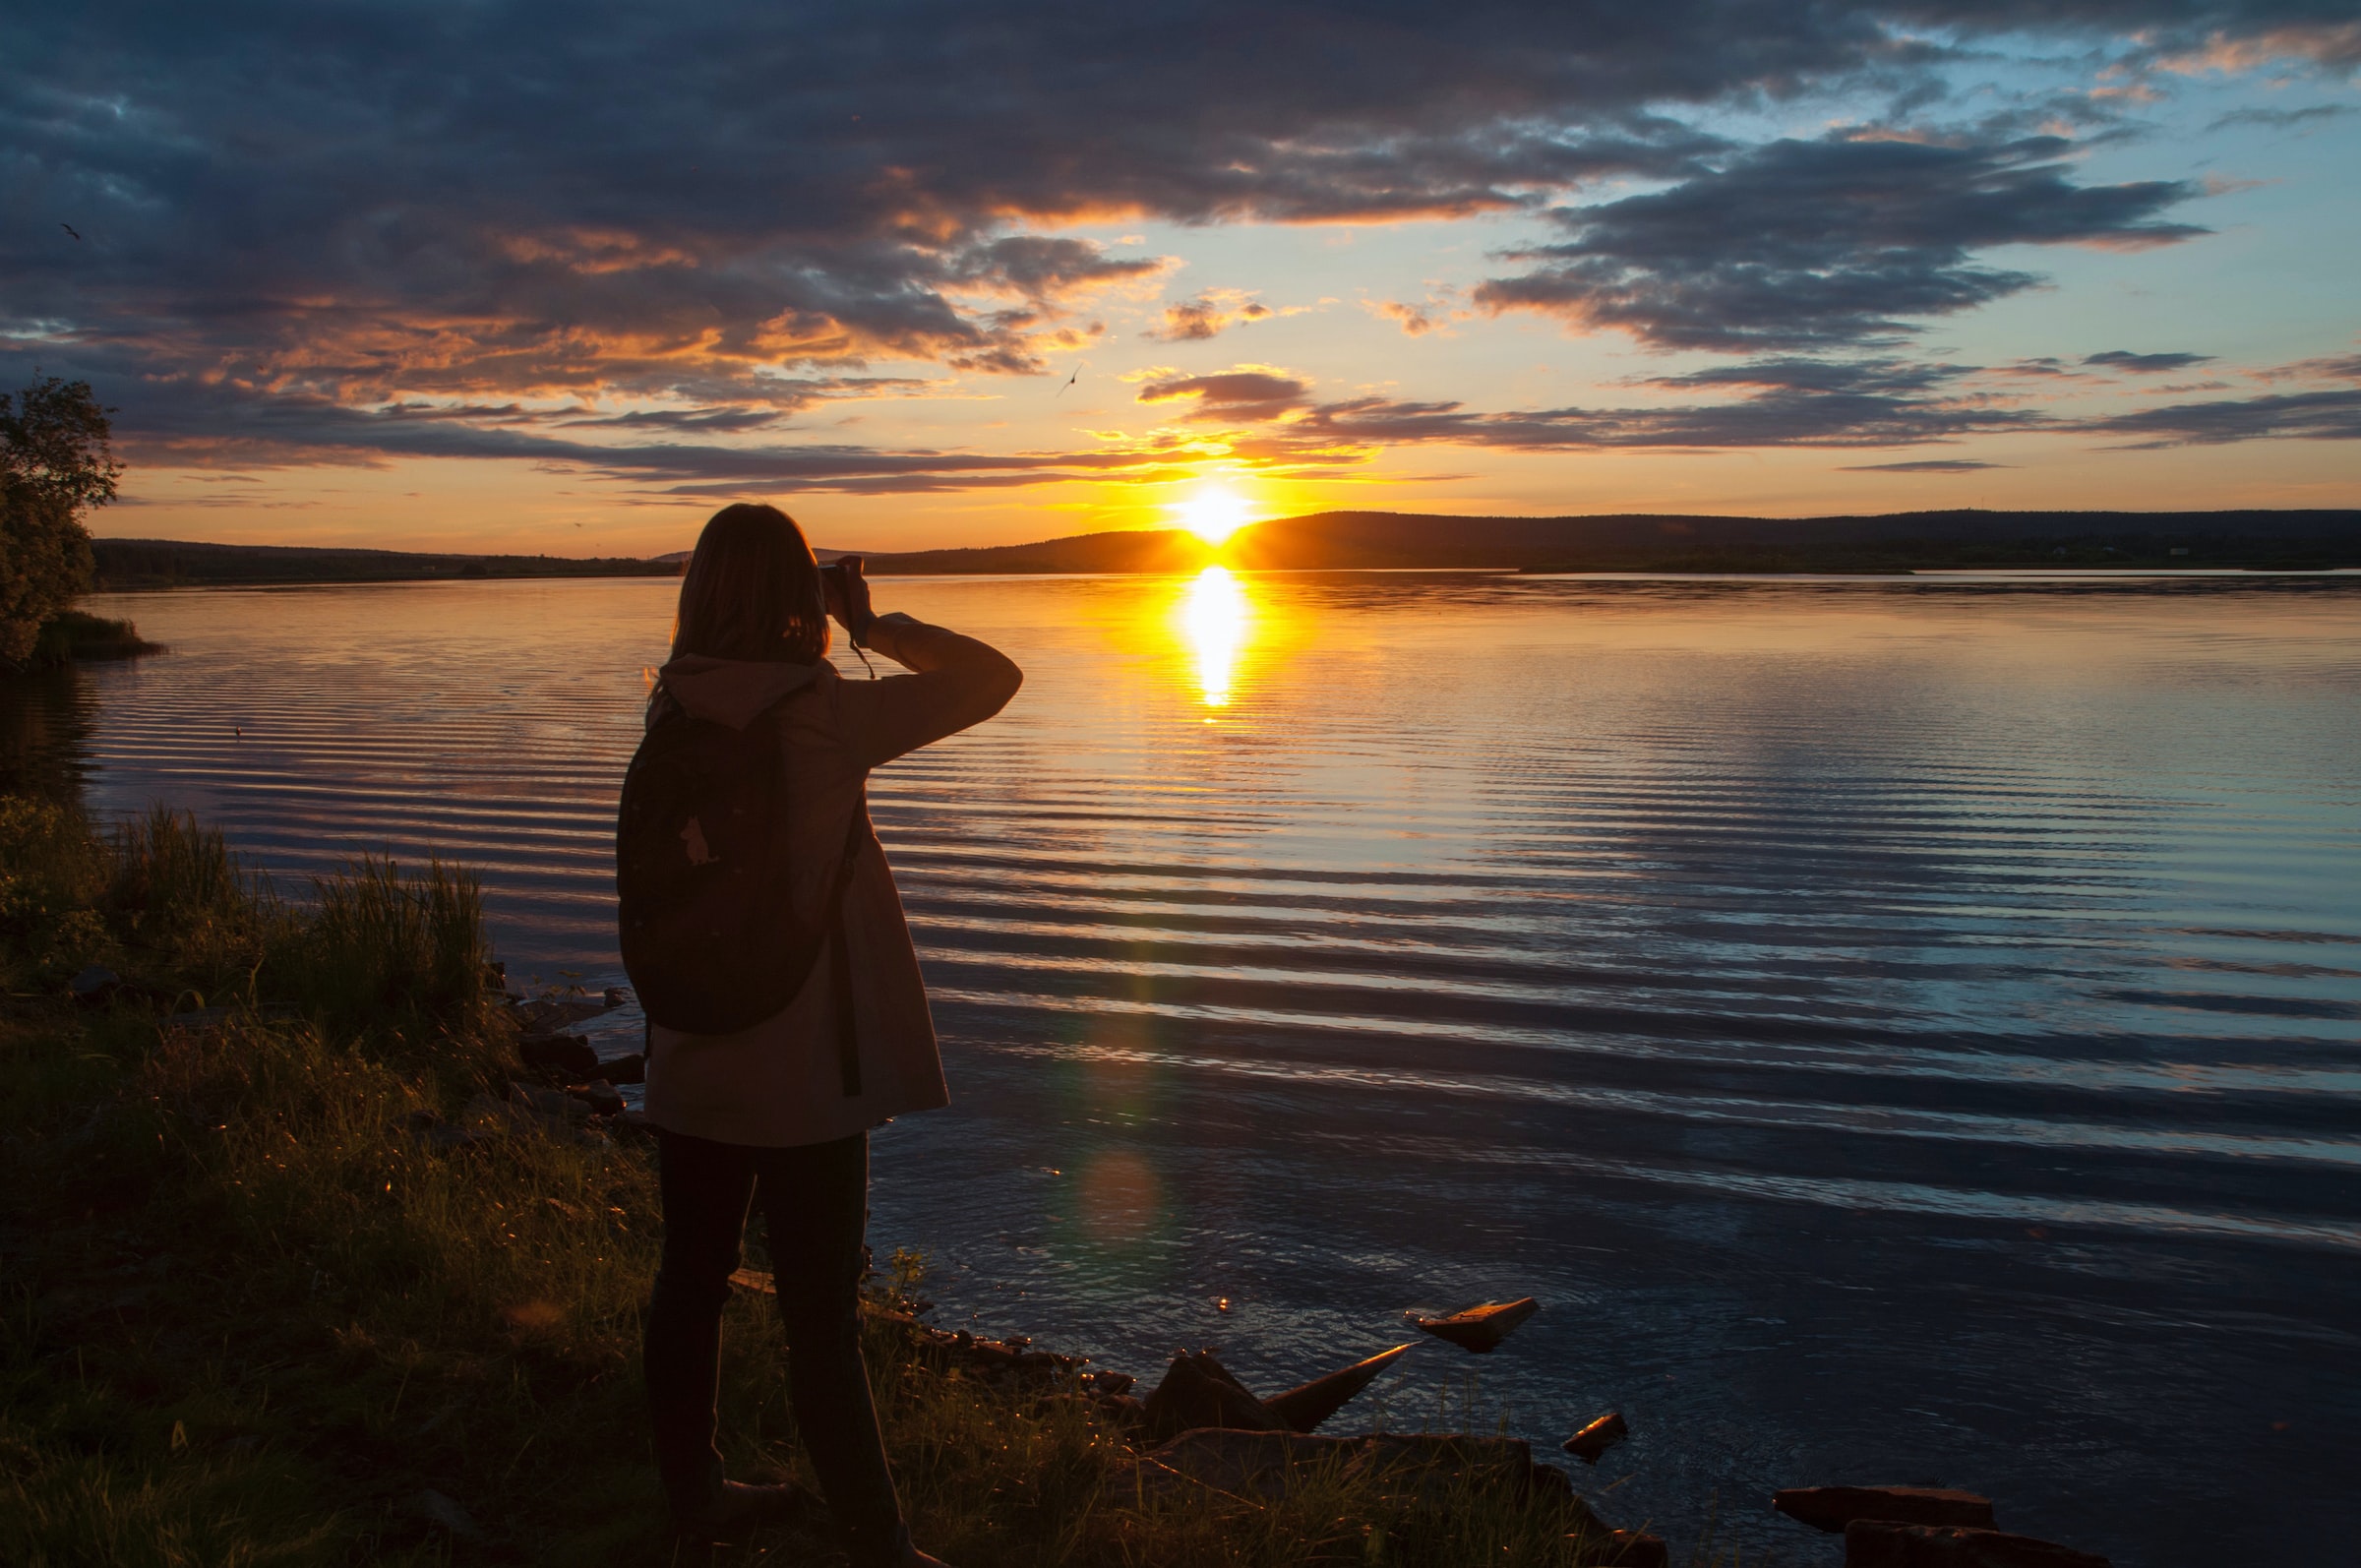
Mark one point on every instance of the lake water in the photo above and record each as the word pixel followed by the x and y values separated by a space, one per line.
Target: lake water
pixel 1902 1031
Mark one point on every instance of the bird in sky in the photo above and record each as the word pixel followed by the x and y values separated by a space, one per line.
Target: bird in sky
pixel 1069 381
pixel 69 228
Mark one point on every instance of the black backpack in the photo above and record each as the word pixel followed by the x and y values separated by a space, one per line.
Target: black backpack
pixel 702 864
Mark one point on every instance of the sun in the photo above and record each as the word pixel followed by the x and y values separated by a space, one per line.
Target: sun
pixel 1213 515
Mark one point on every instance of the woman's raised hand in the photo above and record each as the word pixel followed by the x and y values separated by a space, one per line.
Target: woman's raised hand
pixel 847 593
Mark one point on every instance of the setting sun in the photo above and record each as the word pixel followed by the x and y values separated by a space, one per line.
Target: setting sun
pixel 1213 515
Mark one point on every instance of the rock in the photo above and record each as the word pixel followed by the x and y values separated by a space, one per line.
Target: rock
pixel 449 1514
pixel 1636 1548
pixel 567 1054
pixel 92 984
pixel 1303 1407
pixel 1482 1327
pixel 1599 1436
pixel 1110 1382
pixel 624 1069
pixel 989 1355
pixel 549 1014
pixel 1881 1543
pixel 602 1096
pixel 1832 1508
pixel 1199 1391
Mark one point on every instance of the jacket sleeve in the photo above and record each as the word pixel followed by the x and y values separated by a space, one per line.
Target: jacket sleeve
pixel 958 682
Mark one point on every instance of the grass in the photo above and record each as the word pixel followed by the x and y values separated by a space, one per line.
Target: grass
pixel 73 635
pixel 246 1319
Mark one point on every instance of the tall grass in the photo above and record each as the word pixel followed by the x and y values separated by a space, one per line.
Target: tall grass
pixel 393 955
pixel 53 874
pixel 175 888
pixel 249 1318
pixel 398 957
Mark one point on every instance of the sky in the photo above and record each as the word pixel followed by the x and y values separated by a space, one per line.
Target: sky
pixel 567 278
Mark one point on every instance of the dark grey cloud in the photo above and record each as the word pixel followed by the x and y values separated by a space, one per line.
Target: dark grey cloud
pixel 2145 364
pixel 2280 119
pixel 1777 402
pixel 1957 465
pixel 360 206
pixel 1247 393
pixel 1839 241
pixel 2335 367
pixel 2294 417
pixel 264 431
pixel 2331 414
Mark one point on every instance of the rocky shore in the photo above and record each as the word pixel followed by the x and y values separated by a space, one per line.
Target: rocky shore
pixel 1201 1436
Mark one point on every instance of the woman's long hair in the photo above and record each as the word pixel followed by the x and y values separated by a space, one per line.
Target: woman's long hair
pixel 752 592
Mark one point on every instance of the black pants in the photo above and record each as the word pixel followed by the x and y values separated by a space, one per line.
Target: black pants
pixel 816 1203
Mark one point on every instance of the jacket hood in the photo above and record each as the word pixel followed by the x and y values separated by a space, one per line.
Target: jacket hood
pixel 732 690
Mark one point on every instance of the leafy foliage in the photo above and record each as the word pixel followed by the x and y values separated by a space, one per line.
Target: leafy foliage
pixel 56 462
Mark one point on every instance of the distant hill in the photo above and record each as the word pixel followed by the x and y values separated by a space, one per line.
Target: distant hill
pixel 1661 542
pixel 1634 541
pixel 172 564
pixel 1892 541
pixel 1144 550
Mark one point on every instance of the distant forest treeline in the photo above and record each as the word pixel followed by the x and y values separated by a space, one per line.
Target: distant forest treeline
pixel 1658 542
pixel 1903 541
pixel 169 564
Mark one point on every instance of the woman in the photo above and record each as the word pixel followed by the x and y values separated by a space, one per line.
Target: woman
pixel 778 1114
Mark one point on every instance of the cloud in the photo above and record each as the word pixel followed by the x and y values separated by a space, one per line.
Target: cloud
pixel 1781 403
pixel 1252 392
pixel 1416 320
pixel 2295 416
pixel 2267 41
pixel 2340 367
pixel 1044 267
pixel 1833 242
pixel 2145 364
pixel 1194 321
pixel 657 220
pixel 2280 119
pixel 1959 465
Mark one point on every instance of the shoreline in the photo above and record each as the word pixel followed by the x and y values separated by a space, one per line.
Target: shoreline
pixel 336 1244
pixel 311 1256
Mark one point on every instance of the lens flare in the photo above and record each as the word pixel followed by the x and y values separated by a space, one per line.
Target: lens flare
pixel 1213 620
pixel 1213 515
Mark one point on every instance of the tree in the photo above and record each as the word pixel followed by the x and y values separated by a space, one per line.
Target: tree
pixel 55 464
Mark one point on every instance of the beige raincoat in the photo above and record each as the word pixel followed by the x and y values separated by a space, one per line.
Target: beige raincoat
pixel 777 1083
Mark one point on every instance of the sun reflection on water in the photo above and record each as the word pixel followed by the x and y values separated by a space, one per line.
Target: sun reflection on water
pixel 1214 619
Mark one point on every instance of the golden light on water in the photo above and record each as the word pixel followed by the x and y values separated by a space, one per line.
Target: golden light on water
pixel 1214 621
pixel 1213 513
